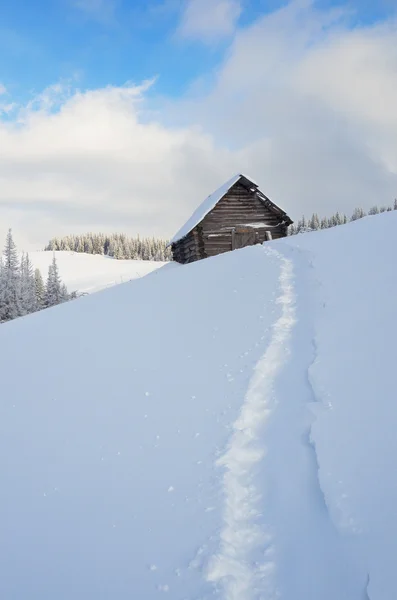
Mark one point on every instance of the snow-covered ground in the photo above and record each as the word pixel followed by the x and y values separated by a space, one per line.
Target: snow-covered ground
pixel 92 272
pixel 221 430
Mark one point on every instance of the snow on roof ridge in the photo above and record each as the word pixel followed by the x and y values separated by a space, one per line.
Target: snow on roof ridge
pixel 207 205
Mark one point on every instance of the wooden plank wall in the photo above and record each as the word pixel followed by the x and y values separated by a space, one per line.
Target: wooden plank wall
pixel 238 207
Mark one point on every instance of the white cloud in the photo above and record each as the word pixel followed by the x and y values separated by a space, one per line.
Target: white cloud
pixel 301 102
pixel 209 20
pixel 3 89
pixel 309 107
pixel 96 164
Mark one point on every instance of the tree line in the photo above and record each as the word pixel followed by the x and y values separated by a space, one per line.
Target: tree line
pixel 314 222
pixel 116 245
pixel 22 288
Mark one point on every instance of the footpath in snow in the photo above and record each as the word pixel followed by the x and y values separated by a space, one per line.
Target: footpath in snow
pixel 278 539
pixel 220 430
pixel 243 534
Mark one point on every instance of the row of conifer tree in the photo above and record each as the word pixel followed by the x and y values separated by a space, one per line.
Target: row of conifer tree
pixel 22 289
pixel 116 245
pixel 315 222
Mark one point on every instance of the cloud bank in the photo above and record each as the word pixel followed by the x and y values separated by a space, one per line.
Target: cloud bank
pixel 302 103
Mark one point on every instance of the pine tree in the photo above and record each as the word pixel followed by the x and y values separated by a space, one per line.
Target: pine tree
pixel 324 223
pixel 28 292
pixel 314 222
pixel 39 290
pixel 395 204
pixel 10 304
pixel 358 213
pixel 64 293
pixel 117 252
pixel 374 210
pixel 53 292
pixel 88 246
pixel 337 219
pixel 2 289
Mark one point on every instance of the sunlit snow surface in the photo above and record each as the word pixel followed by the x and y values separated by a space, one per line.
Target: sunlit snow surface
pixel 92 272
pixel 220 430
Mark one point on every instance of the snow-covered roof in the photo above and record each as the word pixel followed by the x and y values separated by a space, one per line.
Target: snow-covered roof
pixel 208 204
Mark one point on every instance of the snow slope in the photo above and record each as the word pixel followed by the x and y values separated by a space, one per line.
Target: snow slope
pixel 220 430
pixel 354 282
pixel 92 272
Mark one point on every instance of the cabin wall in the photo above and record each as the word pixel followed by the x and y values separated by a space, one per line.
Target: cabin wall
pixel 238 207
pixel 189 249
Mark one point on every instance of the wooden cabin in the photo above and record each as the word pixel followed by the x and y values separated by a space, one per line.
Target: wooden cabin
pixel 238 214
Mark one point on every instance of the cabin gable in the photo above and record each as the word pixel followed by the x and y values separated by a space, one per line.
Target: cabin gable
pixel 240 211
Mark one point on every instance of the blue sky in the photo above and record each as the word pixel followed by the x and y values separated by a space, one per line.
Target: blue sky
pixel 300 95
pixel 46 40
pixel 102 42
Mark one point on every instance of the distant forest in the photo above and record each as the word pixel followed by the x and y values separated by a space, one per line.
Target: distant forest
pixel 315 222
pixel 117 245
pixel 22 289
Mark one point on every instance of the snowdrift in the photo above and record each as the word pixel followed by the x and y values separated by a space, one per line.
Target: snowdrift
pixel 224 429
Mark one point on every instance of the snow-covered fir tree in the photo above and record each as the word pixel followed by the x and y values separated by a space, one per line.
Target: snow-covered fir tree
pixel 10 287
pixel 28 292
pixel 374 210
pixel 314 222
pixel 39 289
pixel 55 290
pixel 358 213
pixel 22 290
pixel 116 245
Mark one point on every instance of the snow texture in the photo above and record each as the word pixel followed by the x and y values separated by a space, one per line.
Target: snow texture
pixel 206 206
pixel 92 272
pixel 218 431
pixel 354 290
pixel 126 394
pixel 242 535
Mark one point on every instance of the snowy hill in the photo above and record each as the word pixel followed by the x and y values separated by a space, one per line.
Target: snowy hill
pixel 92 272
pixel 222 430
